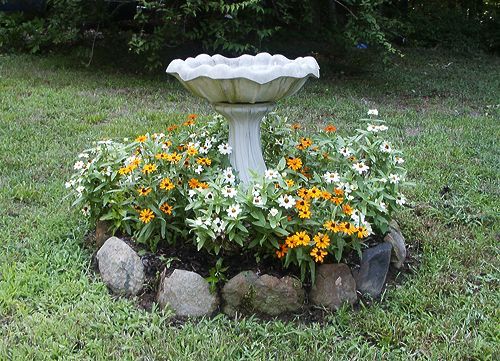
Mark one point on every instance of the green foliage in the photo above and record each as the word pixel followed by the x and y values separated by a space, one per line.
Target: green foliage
pixel 323 194
pixel 217 275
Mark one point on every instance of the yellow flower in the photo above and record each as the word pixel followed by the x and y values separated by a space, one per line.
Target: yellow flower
pixel 332 226
pixel 362 232
pixel 204 161
pixel 124 170
pixel 149 168
pixel 302 238
pixel 302 205
pixel 303 193
pixel 294 163
pixel 282 251
pixel 144 191
pixel 304 143
pixel 291 241
pixel 321 240
pixel 192 151
pixel 166 184
pixel 289 182
pixel 166 208
pixel 161 156
pixel 146 215
pixel 305 213
pixel 141 138
pixel 314 192
pixel 347 228
pixel 174 157
pixel 318 254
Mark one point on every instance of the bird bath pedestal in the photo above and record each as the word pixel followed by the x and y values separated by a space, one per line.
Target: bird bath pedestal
pixel 244 90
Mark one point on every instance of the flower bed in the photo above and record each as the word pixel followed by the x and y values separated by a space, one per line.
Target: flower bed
pixel 322 195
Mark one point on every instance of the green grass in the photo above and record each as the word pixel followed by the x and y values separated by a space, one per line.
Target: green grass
pixel 443 111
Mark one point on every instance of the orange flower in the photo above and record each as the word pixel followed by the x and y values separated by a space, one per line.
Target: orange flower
pixel 193 183
pixel 339 192
pixel 304 143
pixel 318 254
pixel 149 168
pixel 326 195
pixel 282 251
pixel 337 200
pixel 347 209
pixel 352 158
pixel 294 163
pixel 330 128
pixel 141 138
pixel 144 191
pixel 172 128
pixel 166 184
pixel 296 126
pixel 203 185
pixel 192 116
pixel 166 208
pixel 146 215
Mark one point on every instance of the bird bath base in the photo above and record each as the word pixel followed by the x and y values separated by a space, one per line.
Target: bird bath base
pixel 244 136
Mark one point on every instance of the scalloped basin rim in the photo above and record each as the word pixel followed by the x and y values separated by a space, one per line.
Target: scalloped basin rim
pixel 261 68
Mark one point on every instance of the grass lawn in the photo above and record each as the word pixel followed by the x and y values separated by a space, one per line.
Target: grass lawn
pixel 443 110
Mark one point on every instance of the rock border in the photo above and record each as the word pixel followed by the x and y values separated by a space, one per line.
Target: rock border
pixel 188 294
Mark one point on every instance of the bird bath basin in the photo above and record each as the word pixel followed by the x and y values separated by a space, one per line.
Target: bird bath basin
pixel 244 90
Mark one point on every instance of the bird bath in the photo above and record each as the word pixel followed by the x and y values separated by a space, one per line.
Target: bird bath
pixel 244 90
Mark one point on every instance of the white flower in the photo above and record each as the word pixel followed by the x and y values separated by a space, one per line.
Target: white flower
pixel 383 207
pixel 279 141
pixel 208 222
pixel 394 178
pixel 83 155
pixel 193 145
pixel 198 169
pixel 360 167
pixel 286 201
pixel 398 160
pixel 257 200
pixel 373 112
pixel 70 183
pixel 198 222
pixel 225 149
pixel 273 212
pixel 358 218
pixel 80 189
pixel 164 146
pixel 331 177
pixel 234 211
pixel 218 225
pixel 345 151
pixel 191 193
pixel 209 196
pixel 203 150
pixel 400 199
pixel 229 192
pixel 353 186
pixel 271 174
pixel 385 147
pixel 382 128
pixel 86 210
pixel 372 128
pixel 106 171
pixel 228 175
pixel 383 180
pixel 125 139
pixel 79 165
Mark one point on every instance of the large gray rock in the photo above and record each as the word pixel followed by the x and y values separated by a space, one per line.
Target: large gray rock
pixel 247 293
pixel 373 269
pixel 396 239
pixel 120 267
pixel 334 286
pixel 187 294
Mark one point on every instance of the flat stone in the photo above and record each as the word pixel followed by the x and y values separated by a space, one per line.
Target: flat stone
pixel 187 294
pixel 120 267
pixel 334 286
pixel 373 269
pixel 247 293
pixel 396 239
